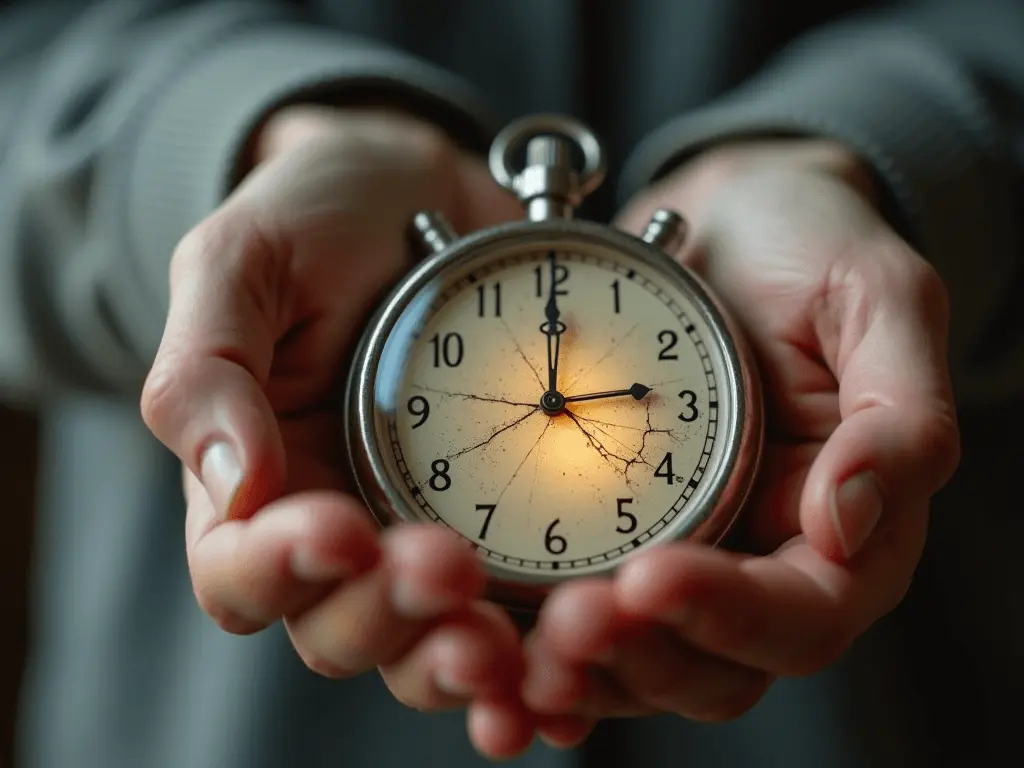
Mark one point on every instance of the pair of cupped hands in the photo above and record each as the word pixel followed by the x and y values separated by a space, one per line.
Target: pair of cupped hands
pixel 269 294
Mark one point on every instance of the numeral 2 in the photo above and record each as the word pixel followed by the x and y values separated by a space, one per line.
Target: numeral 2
pixel 668 340
pixel 542 271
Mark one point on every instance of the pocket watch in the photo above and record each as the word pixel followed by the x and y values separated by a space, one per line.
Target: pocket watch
pixel 558 392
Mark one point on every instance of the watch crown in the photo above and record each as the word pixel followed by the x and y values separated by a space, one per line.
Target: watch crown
pixel 548 185
pixel 666 230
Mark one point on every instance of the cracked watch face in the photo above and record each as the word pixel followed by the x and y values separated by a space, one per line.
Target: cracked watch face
pixel 557 404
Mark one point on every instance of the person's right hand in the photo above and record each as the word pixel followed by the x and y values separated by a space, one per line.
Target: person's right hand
pixel 268 296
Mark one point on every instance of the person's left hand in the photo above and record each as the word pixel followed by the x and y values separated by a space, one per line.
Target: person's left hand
pixel 849 327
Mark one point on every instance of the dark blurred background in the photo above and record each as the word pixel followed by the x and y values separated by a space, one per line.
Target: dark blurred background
pixel 18 442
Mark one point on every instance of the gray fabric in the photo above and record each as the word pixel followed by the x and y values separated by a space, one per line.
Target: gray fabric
pixel 124 131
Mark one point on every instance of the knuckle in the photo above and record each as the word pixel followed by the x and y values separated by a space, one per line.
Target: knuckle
pixel 163 402
pixel 160 396
pixel 193 248
pixel 917 281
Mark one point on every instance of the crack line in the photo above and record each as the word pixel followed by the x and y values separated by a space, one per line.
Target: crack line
pixel 479 398
pixel 611 457
pixel 522 354
pixel 515 474
pixel 504 428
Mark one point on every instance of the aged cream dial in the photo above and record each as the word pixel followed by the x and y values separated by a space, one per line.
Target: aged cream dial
pixel 573 485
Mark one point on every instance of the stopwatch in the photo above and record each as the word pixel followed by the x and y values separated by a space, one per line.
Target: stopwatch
pixel 559 393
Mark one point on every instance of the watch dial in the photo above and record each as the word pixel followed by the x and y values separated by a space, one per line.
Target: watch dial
pixel 557 407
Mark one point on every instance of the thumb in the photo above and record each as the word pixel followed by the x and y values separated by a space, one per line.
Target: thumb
pixel 204 397
pixel 897 442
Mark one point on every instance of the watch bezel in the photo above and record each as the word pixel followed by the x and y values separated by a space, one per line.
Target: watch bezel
pixel 729 485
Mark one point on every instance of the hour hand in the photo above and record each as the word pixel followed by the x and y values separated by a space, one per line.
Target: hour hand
pixel 552 328
pixel 637 392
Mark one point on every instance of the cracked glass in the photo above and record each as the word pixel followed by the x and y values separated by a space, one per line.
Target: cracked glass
pixel 557 407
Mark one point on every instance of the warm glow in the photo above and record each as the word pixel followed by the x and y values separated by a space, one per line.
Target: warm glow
pixel 490 439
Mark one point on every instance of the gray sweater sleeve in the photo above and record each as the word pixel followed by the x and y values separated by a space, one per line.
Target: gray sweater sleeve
pixel 931 95
pixel 121 125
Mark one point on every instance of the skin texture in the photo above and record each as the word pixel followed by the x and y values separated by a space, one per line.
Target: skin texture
pixel 849 326
pixel 268 296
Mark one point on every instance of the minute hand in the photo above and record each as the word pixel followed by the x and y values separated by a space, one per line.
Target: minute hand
pixel 551 327
pixel 637 392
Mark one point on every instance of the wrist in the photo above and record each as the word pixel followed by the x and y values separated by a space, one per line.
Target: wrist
pixel 292 127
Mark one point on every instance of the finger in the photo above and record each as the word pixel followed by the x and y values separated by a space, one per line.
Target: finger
pixel 479 202
pixel 500 729
pixel 771 516
pixel 552 685
pixel 555 685
pixel 789 614
pixel 425 571
pixel 204 395
pixel 578 626
pixel 668 675
pixel 581 620
pixel 759 612
pixel 565 731
pixel 474 654
pixel 898 441
pixel 247 574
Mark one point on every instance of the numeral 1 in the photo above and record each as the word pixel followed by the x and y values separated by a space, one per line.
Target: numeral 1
pixel 481 300
pixel 541 272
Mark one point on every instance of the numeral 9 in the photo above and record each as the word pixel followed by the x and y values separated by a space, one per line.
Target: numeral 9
pixel 418 406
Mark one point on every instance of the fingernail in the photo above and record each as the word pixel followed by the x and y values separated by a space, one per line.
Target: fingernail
pixel 412 601
pixel 856 510
pixel 309 565
pixel 221 475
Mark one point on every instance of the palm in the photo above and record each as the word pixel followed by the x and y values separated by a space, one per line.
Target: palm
pixel 848 327
pixel 775 247
pixel 332 217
